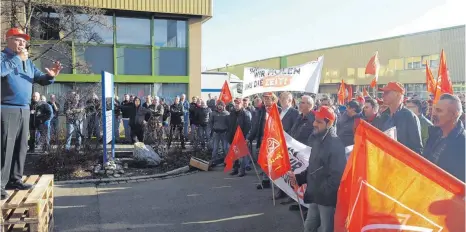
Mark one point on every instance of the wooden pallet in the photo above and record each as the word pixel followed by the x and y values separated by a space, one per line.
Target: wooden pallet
pixel 30 210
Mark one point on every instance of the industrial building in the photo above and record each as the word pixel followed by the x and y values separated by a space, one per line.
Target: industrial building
pixel 402 58
pixel 154 47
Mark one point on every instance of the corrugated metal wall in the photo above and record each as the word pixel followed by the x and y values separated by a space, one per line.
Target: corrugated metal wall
pixel 189 7
pixel 348 61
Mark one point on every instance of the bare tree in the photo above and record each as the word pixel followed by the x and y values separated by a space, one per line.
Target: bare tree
pixel 54 27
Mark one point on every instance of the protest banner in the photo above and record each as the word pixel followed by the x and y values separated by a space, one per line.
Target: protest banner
pixel 302 78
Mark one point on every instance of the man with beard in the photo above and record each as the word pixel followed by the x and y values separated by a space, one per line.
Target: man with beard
pixel 219 124
pixel 326 164
pixel 445 146
pixel 242 118
pixel 177 115
pixel 202 116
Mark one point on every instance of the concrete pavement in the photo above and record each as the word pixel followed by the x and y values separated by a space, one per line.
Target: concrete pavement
pixel 204 201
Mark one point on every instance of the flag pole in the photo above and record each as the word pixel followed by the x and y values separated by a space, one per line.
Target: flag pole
pixel 255 170
pixel 300 207
pixel 273 191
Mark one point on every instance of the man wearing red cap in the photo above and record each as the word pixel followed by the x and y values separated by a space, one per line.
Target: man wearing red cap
pixel 408 127
pixel 326 164
pixel 18 74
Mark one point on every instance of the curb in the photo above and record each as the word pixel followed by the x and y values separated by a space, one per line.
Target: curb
pixel 178 171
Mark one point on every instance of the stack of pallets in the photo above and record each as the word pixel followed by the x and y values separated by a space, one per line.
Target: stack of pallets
pixel 30 210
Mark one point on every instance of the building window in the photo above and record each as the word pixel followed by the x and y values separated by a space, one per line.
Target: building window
pixel 170 90
pixel 44 55
pixel 350 72
pixel 134 61
pixel 138 90
pixel 45 26
pixel 94 29
pixel 361 72
pixel 170 33
pixel 171 62
pixel 94 59
pixel 434 61
pixel 133 31
pixel 413 62
pixel 396 64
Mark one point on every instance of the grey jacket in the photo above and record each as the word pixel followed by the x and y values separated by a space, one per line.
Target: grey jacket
pixel 219 121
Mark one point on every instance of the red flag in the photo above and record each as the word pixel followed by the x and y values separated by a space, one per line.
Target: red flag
pixel 373 67
pixel 342 93
pixel 225 94
pixel 388 187
pixel 238 149
pixel 430 81
pixel 364 93
pixel 273 153
pixel 350 93
pixel 443 79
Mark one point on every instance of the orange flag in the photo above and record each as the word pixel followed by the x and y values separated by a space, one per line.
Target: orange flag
pixel 388 187
pixel 364 93
pixel 373 67
pixel 225 94
pixel 350 93
pixel 430 81
pixel 443 79
pixel 342 93
pixel 238 149
pixel 273 153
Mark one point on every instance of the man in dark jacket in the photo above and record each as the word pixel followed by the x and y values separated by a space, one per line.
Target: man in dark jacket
pixel 348 121
pixel 371 112
pixel 219 123
pixel 94 114
pixel 445 146
pixel 242 118
pixel 326 164
pixel 137 120
pixel 302 127
pixel 408 128
pixel 41 112
pixel 202 116
pixel 288 114
pixel 416 107
pixel 193 106
pixel 177 116
pixel 125 114
pixel 117 117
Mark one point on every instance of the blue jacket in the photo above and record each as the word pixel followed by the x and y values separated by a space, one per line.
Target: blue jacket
pixel 16 83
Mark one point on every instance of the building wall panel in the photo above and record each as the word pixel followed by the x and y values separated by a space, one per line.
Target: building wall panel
pixel 194 55
pixel 348 62
pixel 188 7
pixel 238 70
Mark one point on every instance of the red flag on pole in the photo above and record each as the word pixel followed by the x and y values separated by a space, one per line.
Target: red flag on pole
pixel 381 187
pixel 225 94
pixel 273 153
pixel 430 81
pixel 443 79
pixel 350 93
pixel 238 149
pixel 342 93
pixel 373 67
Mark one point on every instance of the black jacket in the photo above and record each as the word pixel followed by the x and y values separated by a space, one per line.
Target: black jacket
pixel 176 114
pixel 303 128
pixel 326 164
pixel 137 115
pixel 116 108
pixel 93 107
pixel 289 119
pixel 241 118
pixel 125 111
pixel 346 128
pixel 166 112
pixel 192 113
pixel 202 115
pixel 43 112
pixel 408 127
pixel 449 154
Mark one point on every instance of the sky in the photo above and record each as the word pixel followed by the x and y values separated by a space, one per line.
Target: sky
pixel 247 30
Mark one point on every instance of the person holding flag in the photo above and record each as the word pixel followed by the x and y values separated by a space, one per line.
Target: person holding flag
pixel 242 118
pixel 323 175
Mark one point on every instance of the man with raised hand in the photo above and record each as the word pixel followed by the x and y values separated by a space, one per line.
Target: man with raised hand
pixel 18 74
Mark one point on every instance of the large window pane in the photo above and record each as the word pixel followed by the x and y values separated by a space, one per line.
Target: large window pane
pixel 170 33
pixel 94 29
pixel 45 55
pixel 139 90
pixel 134 61
pixel 170 90
pixel 94 59
pixel 171 62
pixel 133 31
